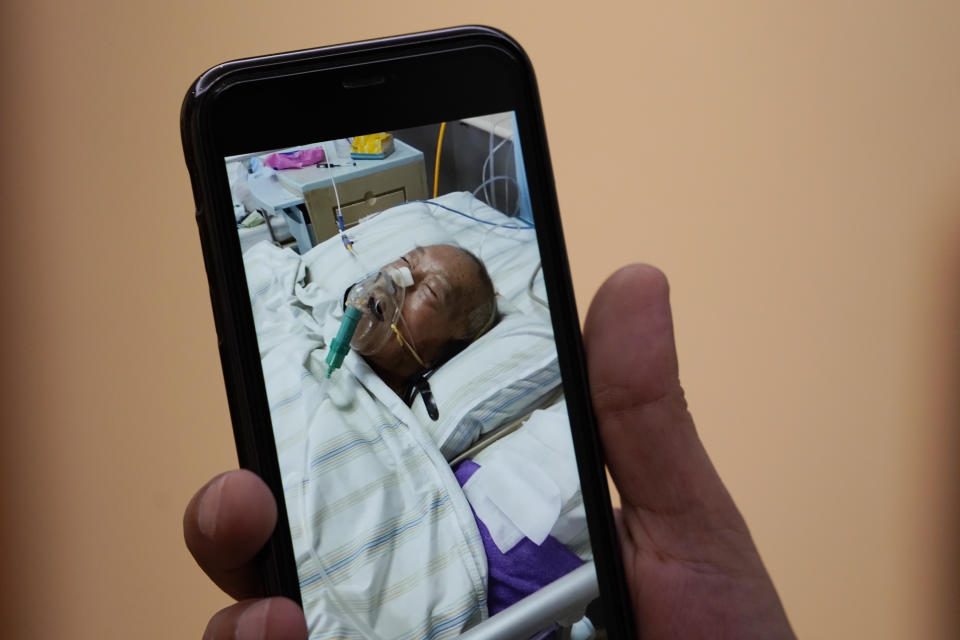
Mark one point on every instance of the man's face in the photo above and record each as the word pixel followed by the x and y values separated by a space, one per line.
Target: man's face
pixel 446 286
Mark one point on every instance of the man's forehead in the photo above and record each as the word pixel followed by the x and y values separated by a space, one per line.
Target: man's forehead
pixel 445 254
pixel 449 262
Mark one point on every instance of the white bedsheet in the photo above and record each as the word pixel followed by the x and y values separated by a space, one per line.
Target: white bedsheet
pixel 387 521
pixel 389 527
pixel 527 485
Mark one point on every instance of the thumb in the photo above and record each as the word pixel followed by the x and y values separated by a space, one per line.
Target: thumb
pixel 691 563
pixel 649 439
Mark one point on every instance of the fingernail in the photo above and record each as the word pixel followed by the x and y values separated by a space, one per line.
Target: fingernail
pixel 252 624
pixel 209 507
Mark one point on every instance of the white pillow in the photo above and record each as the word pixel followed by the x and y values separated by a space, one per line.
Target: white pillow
pixel 378 239
pixel 510 253
pixel 502 376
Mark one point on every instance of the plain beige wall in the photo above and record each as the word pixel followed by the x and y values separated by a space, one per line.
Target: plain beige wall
pixel 795 169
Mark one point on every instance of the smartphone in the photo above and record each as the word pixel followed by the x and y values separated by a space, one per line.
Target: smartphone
pixel 399 339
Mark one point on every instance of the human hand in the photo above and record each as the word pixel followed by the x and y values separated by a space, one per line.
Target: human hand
pixel 224 526
pixel 690 563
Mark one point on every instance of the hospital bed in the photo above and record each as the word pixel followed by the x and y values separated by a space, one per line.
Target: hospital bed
pixel 484 395
pixel 563 602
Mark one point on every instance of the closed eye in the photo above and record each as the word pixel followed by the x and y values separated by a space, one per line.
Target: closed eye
pixel 437 287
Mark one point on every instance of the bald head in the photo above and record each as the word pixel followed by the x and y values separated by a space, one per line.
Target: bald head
pixel 455 285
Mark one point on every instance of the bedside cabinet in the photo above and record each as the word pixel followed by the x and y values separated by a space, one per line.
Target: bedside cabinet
pixel 367 187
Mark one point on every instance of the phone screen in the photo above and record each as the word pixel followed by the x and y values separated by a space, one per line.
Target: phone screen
pixel 416 400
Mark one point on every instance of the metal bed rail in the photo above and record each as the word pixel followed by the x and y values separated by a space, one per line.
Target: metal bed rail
pixel 563 601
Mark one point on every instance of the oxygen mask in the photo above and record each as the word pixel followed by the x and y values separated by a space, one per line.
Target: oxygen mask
pixel 379 298
pixel 371 312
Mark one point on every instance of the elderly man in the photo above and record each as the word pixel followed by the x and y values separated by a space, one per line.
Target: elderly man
pixel 384 539
pixel 450 303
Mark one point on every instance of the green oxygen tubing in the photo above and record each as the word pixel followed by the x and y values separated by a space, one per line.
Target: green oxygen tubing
pixel 371 311
pixel 340 345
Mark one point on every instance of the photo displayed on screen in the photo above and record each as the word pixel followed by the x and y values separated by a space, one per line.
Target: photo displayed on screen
pixel 428 469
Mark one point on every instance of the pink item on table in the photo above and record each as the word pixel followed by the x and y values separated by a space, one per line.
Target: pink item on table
pixel 295 159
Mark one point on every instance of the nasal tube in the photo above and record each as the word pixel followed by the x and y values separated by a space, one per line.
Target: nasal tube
pixel 341 344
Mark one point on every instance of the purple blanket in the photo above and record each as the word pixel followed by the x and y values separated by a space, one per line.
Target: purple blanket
pixel 524 568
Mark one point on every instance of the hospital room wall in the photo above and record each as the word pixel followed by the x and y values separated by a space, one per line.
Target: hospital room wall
pixel 794 168
pixel 464 151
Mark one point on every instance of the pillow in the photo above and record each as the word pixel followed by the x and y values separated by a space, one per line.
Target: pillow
pixel 509 251
pixel 503 375
pixel 378 239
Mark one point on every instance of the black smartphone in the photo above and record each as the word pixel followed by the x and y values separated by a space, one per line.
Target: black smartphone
pixel 399 339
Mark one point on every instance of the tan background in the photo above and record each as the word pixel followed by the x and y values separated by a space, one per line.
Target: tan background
pixel 794 169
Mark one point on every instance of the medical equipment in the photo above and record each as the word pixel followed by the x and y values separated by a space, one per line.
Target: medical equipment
pixel 340 345
pixel 436 164
pixel 490 196
pixel 372 311
pixel 530 285
pixel 525 225
pixel 505 179
pixel 347 242
pixel 503 126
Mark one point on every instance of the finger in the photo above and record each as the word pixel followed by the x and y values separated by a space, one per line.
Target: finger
pixel 273 618
pixel 652 448
pixel 674 503
pixel 224 526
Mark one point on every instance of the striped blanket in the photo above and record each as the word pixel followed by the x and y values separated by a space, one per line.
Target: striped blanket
pixel 386 544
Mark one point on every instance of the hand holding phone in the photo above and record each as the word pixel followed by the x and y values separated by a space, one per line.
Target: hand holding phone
pixel 403 364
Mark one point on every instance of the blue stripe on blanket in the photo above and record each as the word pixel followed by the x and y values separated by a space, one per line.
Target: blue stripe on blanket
pixel 331 454
pixel 433 509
